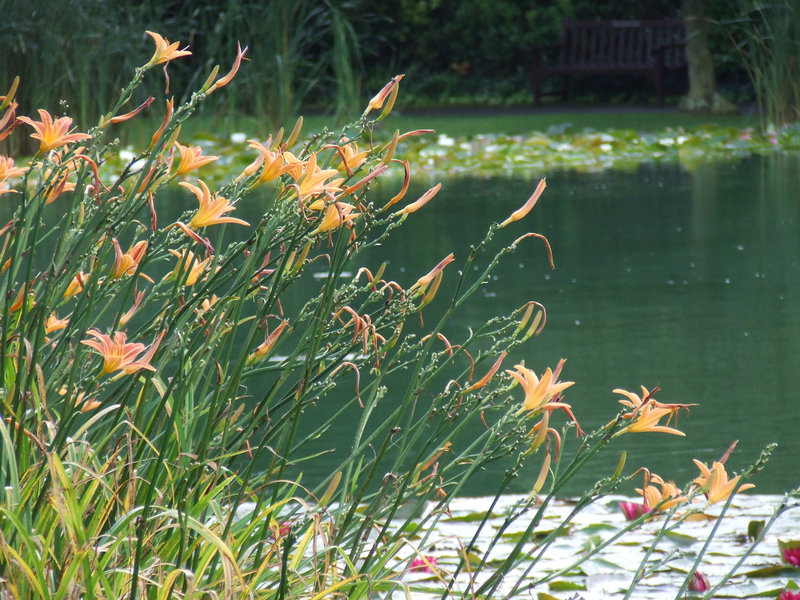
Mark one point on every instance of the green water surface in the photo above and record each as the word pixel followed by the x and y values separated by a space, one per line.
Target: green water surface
pixel 684 280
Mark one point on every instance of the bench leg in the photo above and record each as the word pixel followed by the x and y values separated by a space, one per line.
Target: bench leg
pixel 658 80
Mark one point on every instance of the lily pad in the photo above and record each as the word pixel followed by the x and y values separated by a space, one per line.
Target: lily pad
pixel 566 586
pixel 680 539
pixel 772 571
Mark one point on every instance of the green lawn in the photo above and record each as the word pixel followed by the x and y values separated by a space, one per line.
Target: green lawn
pixel 466 122
pixel 516 122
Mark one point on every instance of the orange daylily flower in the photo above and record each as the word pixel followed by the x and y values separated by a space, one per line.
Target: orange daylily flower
pixel 337 214
pixel 211 209
pixel 127 263
pixel 647 413
pixel 205 306
pixel 272 161
pixel 81 400
pixel 53 134
pixel 192 158
pixel 539 392
pixel 312 181
pixel 53 323
pixel 58 188
pixel 351 156
pixel 7 171
pixel 294 166
pixel 75 286
pixel 191 264
pixel 716 483
pixel 119 355
pixel 165 51
pixel 9 121
pixel 669 493
pixel 21 297
pixel 85 403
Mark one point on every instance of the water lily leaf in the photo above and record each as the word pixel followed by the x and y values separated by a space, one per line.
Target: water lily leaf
pixel 566 586
pixel 754 529
pixel 515 536
pixel 592 542
pixel 751 589
pixel 598 527
pixel 771 570
pixel 598 566
pixel 680 539
pixel 472 517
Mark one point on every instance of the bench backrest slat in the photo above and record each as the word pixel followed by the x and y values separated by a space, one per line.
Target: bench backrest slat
pixel 622 43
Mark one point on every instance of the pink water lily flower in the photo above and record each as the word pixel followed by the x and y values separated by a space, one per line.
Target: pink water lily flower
pixel 699 583
pixel 425 564
pixel 792 556
pixel 633 510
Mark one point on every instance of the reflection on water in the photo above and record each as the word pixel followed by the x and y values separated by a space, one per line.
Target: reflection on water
pixel 683 280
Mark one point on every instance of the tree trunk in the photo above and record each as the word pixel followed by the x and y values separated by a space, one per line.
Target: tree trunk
pixel 702 96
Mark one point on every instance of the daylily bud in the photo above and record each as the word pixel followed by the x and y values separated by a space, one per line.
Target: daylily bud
pixel 545 470
pixel 541 433
pixel 422 201
pixel 210 79
pixel 264 349
pixel 620 465
pixel 298 126
pixel 223 81
pixel 528 206
pixel 390 103
pixel 391 147
pixel 9 97
pixel 379 98
pixel 167 117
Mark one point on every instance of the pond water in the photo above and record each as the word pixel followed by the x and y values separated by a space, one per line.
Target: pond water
pixel 683 279
pixel 688 280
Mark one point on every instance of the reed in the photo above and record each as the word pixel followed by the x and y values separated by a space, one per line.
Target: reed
pixel 767 36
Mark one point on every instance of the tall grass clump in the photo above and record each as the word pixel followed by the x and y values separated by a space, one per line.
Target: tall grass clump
pixel 72 49
pixel 767 36
pixel 83 50
pixel 165 382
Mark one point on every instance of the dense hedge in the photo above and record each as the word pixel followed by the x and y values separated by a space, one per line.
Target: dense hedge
pixel 314 54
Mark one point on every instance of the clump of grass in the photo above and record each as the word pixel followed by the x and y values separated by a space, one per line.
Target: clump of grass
pixel 767 36
pixel 162 383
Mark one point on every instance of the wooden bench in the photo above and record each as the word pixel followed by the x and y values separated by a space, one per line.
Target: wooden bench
pixel 608 47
